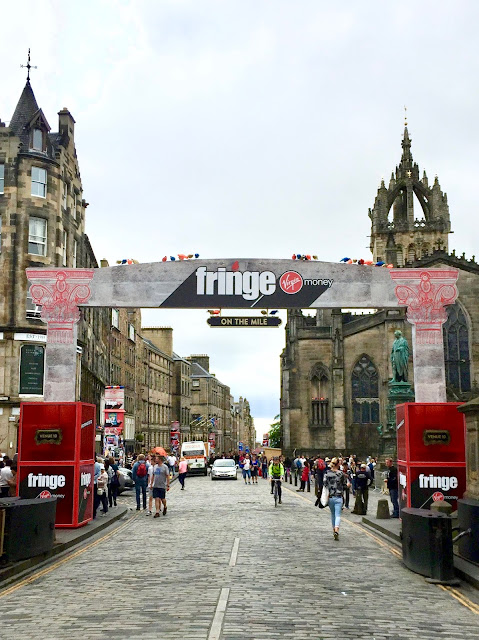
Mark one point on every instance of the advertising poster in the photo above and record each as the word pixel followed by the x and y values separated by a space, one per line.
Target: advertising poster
pixel 115 408
pixel 420 486
pixel 175 435
pixel 85 493
pixel 212 441
pixel 50 481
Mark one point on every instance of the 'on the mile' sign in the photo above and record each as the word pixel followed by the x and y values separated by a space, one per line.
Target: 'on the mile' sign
pixel 243 321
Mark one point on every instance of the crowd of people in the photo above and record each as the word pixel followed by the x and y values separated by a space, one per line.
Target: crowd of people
pixel 334 480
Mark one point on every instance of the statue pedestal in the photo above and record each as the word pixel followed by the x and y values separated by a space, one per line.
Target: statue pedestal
pixel 399 392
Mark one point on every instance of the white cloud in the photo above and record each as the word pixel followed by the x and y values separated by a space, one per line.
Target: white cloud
pixel 248 128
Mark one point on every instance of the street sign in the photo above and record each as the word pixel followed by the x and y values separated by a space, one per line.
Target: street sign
pixel 243 321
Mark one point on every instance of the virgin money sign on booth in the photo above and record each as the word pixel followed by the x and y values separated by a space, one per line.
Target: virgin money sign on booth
pixel 56 457
pixel 431 453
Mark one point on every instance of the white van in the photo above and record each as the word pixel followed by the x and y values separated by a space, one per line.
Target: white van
pixel 196 455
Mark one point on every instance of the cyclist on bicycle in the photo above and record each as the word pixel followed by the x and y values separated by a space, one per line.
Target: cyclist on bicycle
pixel 276 473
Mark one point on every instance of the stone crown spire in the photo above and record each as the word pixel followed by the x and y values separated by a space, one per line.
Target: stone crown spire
pixel 409 219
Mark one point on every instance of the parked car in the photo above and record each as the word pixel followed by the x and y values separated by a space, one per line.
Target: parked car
pixel 224 468
pixel 126 479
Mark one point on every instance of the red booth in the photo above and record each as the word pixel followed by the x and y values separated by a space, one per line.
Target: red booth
pixel 431 442
pixel 56 457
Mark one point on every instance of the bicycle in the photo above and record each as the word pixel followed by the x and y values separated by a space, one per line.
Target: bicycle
pixel 276 490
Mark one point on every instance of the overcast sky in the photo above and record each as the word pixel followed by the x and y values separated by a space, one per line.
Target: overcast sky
pixel 250 128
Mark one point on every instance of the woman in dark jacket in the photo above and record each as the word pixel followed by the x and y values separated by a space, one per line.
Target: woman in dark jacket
pixel 335 482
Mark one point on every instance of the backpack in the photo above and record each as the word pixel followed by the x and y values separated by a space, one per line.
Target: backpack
pixel 298 464
pixel 141 470
pixel 321 464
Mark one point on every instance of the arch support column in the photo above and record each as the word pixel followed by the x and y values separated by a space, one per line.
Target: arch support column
pixel 425 293
pixel 59 292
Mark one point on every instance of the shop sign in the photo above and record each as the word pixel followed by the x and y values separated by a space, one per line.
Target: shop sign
pixel 48 436
pixel 31 369
pixel 436 436
pixel 245 321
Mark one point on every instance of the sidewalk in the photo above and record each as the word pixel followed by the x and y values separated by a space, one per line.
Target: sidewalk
pixel 391 529
pixel 67 538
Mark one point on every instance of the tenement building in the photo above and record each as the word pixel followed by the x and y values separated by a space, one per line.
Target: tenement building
pixel 335 367
pixel 42 213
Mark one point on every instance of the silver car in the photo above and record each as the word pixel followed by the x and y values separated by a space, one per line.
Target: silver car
pixel 224 468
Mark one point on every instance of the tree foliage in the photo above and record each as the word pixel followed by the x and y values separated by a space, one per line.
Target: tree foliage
pixel 275 432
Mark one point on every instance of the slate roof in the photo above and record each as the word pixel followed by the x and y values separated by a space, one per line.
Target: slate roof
pixel 197 371
pixel 24 111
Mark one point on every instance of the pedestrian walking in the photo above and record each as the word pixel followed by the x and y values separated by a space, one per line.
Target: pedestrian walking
pixel 171 460
pixel 102 489
pixel 363 480
pixel 247 469
pixel 319 470
pixel 114 481
pixel 304 476
pixel 348 478
pixel 392 484
pixel 140 478
pixel 334 482
pixel 5 477
pixel 96 497
pixel 160 485
pixel 264 466
pixel 182 470
pixel 254 469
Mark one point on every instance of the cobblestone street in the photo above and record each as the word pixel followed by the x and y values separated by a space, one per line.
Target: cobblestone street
pixel 225 564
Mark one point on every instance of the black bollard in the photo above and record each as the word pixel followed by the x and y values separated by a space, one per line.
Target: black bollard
pixel 308 485
pixel 296 479
pixel 290 477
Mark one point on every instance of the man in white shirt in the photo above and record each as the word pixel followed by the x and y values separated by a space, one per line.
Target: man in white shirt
pixel 171 461
pixel 5 475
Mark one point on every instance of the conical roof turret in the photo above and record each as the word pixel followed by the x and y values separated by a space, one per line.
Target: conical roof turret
pixel 25 110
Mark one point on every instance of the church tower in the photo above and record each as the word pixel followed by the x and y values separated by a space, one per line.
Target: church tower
pixel 409 219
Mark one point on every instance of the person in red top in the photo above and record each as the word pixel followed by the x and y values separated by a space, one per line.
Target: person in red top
pixel 304 476
pixel 182 470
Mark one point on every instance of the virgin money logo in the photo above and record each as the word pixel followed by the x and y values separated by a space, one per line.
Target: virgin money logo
pixel 291 282
pixel 44 494
pixel 438 496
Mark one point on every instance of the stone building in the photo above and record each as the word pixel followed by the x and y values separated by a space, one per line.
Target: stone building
pixel 335 367
pixel 156 370
pixel 42 213
pixel 181 407
pixel 243 423
pixel 124 347
pixel 210 404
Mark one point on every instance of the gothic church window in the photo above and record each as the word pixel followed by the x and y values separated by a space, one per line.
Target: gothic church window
pixel 456 349
pixel 365 392
pixel 319 385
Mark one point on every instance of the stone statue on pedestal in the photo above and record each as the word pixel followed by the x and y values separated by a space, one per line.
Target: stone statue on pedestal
pixel 400 357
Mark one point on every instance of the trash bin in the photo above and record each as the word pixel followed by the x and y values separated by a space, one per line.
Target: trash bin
pixel 427 544
pixel 28 527
pixel 468 519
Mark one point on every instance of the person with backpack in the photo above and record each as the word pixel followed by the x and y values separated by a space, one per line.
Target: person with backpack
pixel 319 469
pixel 140 478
